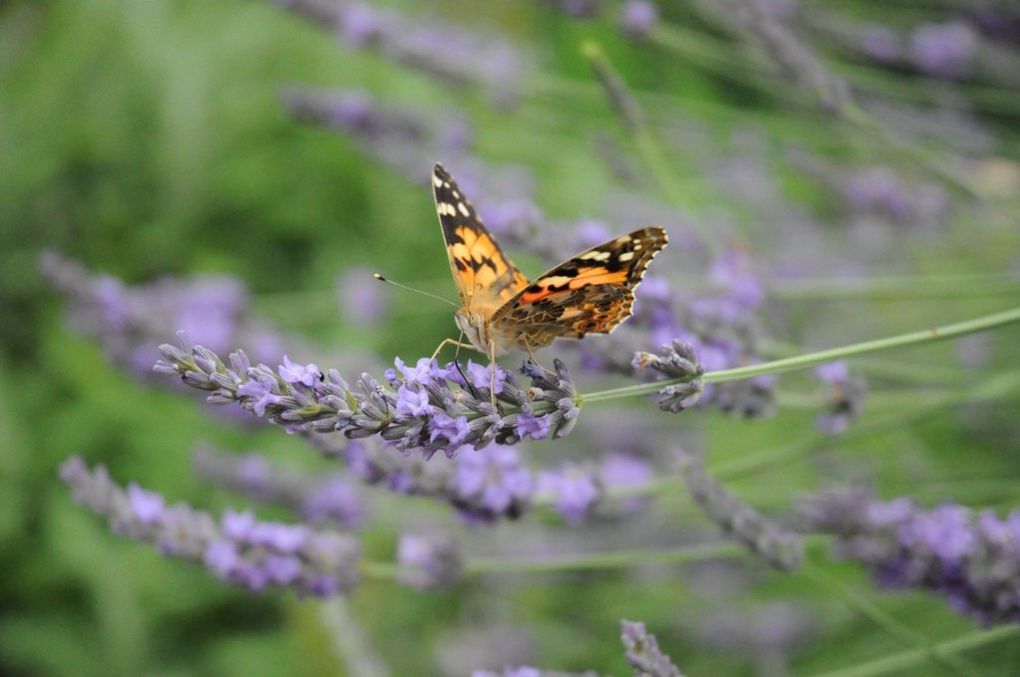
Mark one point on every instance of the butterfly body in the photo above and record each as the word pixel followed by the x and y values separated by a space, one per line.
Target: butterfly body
pixel 592 292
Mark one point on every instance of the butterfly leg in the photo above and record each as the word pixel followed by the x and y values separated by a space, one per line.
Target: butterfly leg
pixel 492 372
pixel 531 355
pixel 449 341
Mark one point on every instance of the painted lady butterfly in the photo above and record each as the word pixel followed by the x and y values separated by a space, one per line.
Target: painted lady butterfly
pixel 590 293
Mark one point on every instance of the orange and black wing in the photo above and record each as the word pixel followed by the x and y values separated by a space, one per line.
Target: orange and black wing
pixel 592 292
pixel 484 276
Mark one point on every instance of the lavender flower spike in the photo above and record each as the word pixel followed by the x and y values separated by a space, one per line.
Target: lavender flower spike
pixel 238 548
pixel 780 548
pixel 971 559
pixel 643 652
pixel 425 407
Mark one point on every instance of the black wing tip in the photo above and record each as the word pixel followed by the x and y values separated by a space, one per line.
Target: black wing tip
pixel 439 170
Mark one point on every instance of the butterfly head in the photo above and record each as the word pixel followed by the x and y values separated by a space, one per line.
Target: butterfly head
pixel 474 327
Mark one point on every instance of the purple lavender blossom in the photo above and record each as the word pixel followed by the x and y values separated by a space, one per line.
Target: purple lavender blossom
pixel 306 374
pixel 573 490
pixel 844 399
pixel 972 560
pixel 881 43
pixel 483 376
pixel 624 471
pixel 491 482
pixel 943 50
pixel 429 561
pixel 316 497
pixel 238 548
pixel 448 52
pixel 638 18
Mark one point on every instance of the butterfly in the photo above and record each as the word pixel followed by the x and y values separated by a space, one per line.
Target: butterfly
pixel 589 293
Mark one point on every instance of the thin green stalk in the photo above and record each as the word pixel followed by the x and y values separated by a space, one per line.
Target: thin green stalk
pixel 898 288
pixel 632 117
pixel 606 560
pixel 915 657
pixel 807 360
pixel 855 600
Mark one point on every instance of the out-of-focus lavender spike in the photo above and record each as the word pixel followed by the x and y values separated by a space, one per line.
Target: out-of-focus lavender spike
pixel 490 483
pixel 400 137
pixel 643 652
pixel 318 498
pixel 238 548
pixel 944 50
pixel 573 489
pixel 769 32
pixel 844 399
pixel 779 547
pixel 637 18
pixel 527 671
pixel 578 9
pixel 971 559
pixel 429 562
pixel 450 53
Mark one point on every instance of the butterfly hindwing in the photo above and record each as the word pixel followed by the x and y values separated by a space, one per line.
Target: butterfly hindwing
pixel 591 292
pixel 484 276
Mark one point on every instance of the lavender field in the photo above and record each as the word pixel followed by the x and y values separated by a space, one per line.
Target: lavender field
pixel 226 450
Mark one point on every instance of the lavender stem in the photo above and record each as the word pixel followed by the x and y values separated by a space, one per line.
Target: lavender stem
pixel 932 335
pixel 908 659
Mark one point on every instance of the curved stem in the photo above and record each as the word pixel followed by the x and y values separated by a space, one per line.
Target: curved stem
pixel 857 601
pixel 805 361
pixel 908 659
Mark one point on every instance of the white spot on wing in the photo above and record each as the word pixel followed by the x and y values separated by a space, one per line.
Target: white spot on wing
pixel 626 256
pixel 463 209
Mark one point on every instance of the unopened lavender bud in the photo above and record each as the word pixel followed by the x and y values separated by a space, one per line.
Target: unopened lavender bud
pixel 643 652
pixel 679 397
pixel 779 547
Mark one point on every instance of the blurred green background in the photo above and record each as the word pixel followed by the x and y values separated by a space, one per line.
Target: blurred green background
pixel 148 138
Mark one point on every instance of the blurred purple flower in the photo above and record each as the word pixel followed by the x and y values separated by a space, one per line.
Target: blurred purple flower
pixel 429 561
pixel 971 560
pixel 881 43
pixel 844 400
pixel 572 489
pixel 238 548
pixel 623 471
pixel 638 18
pixel 146 505
pixel 943 50
pixel 491 482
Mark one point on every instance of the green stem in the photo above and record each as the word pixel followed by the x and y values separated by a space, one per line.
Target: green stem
pixel 805 361
pixel 894 288
pixel 884 620
pixel 909 659
pixel 650 149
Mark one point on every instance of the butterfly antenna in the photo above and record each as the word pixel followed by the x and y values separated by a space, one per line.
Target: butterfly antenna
pixel 412 289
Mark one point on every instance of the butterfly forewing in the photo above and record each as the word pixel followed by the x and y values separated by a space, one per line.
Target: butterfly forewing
pixel 484 276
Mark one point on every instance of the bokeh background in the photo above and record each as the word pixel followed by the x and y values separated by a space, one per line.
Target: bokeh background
pixel 248 165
